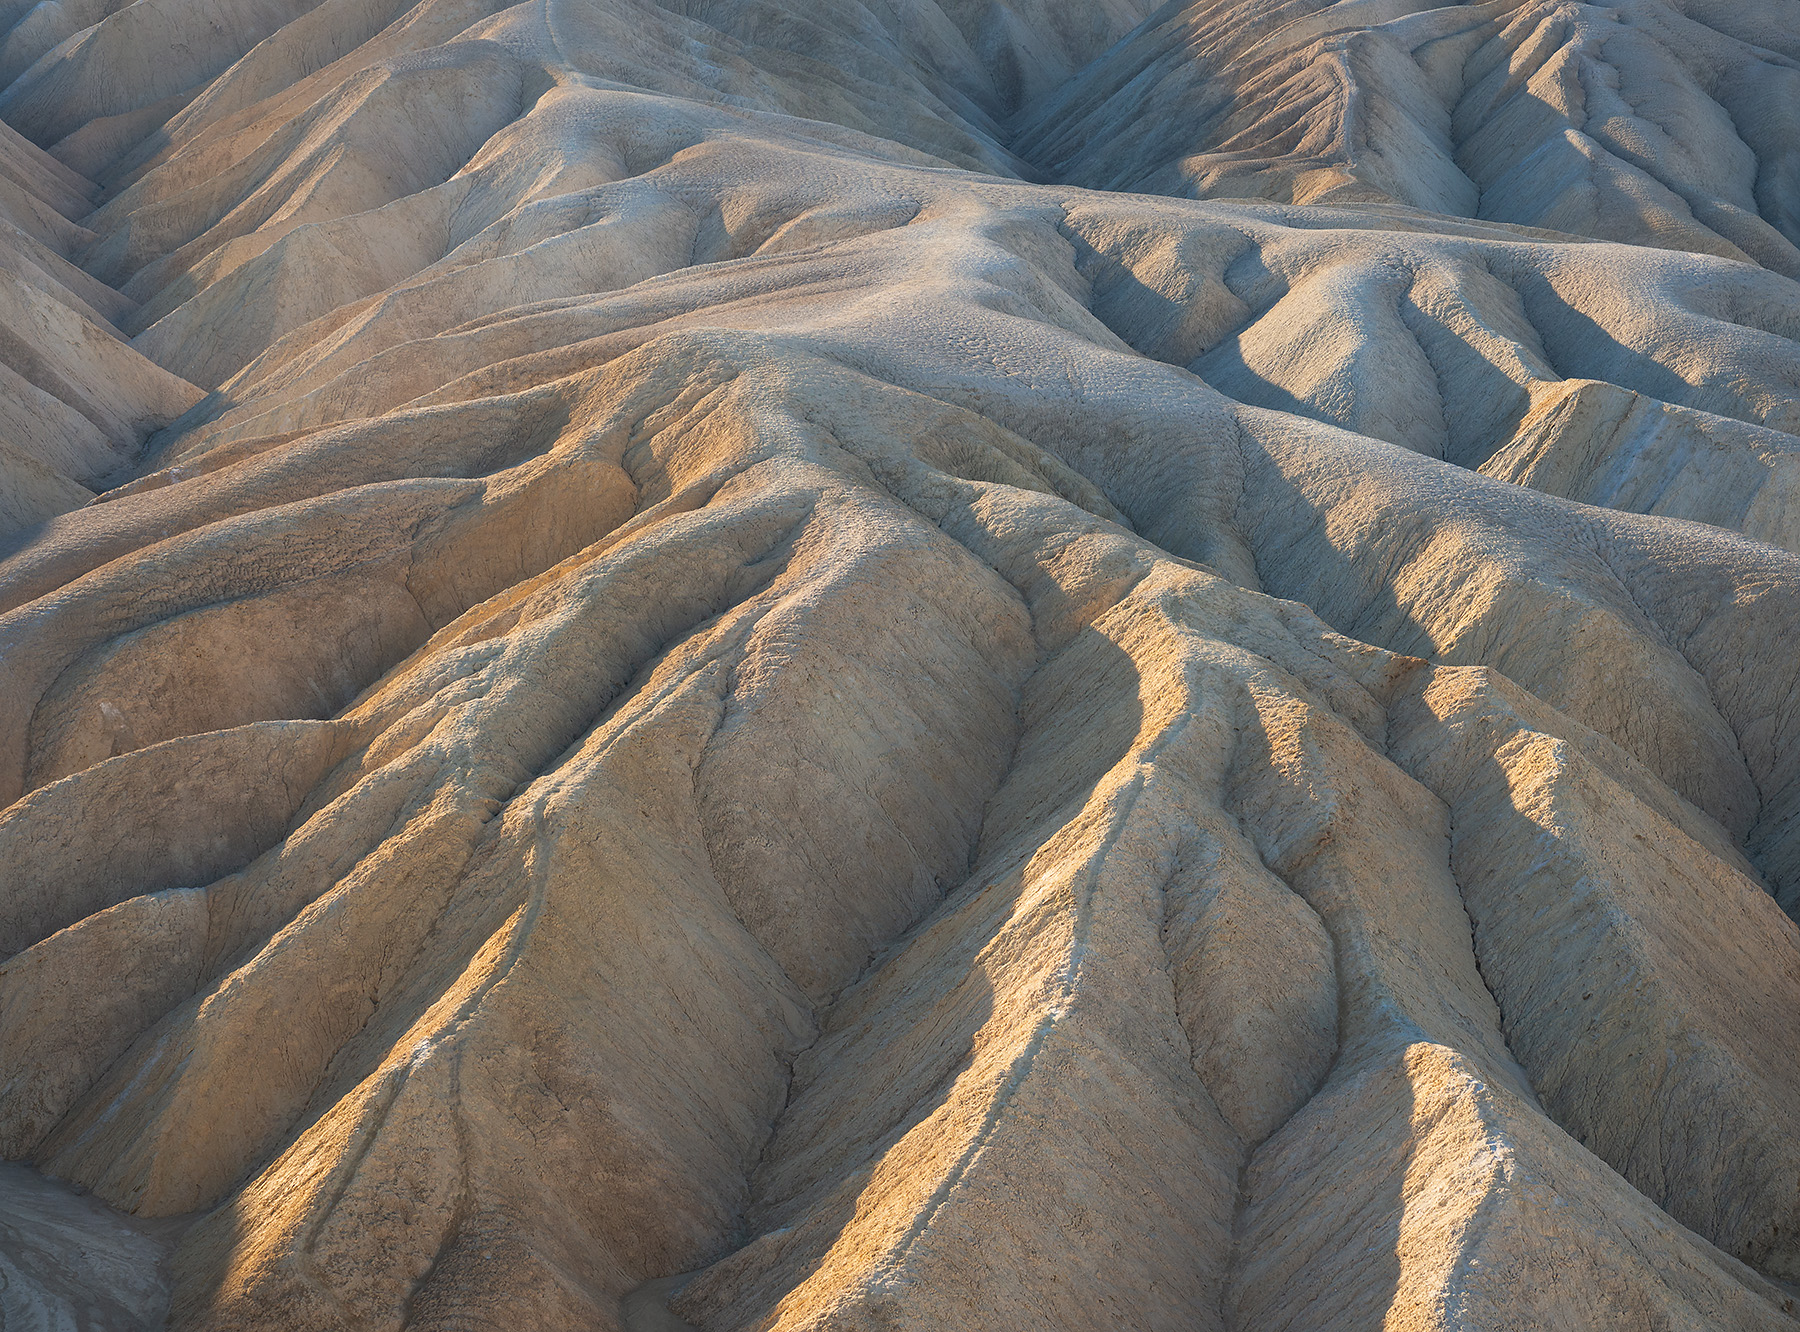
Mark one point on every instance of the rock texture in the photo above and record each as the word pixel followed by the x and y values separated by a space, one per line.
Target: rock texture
pixel 798 665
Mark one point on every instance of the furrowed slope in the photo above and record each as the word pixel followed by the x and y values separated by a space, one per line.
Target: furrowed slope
pixel 692 696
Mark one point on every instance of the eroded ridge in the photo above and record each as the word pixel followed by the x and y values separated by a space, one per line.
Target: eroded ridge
pixel 661 670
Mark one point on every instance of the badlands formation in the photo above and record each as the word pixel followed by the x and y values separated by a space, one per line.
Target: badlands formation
pixel 993 664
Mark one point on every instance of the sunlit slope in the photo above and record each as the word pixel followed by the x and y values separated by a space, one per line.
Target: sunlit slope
pixel 701 659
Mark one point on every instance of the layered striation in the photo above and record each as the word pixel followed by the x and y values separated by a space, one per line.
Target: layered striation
pixel 903 665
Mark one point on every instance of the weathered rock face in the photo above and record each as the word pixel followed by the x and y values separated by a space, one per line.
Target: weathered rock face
pixel 660 670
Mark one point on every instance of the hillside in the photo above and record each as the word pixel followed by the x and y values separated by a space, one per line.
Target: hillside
pixel 991 664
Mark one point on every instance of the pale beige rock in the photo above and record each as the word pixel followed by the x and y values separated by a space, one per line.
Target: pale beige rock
pixel 1625 997
pixel 656 672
